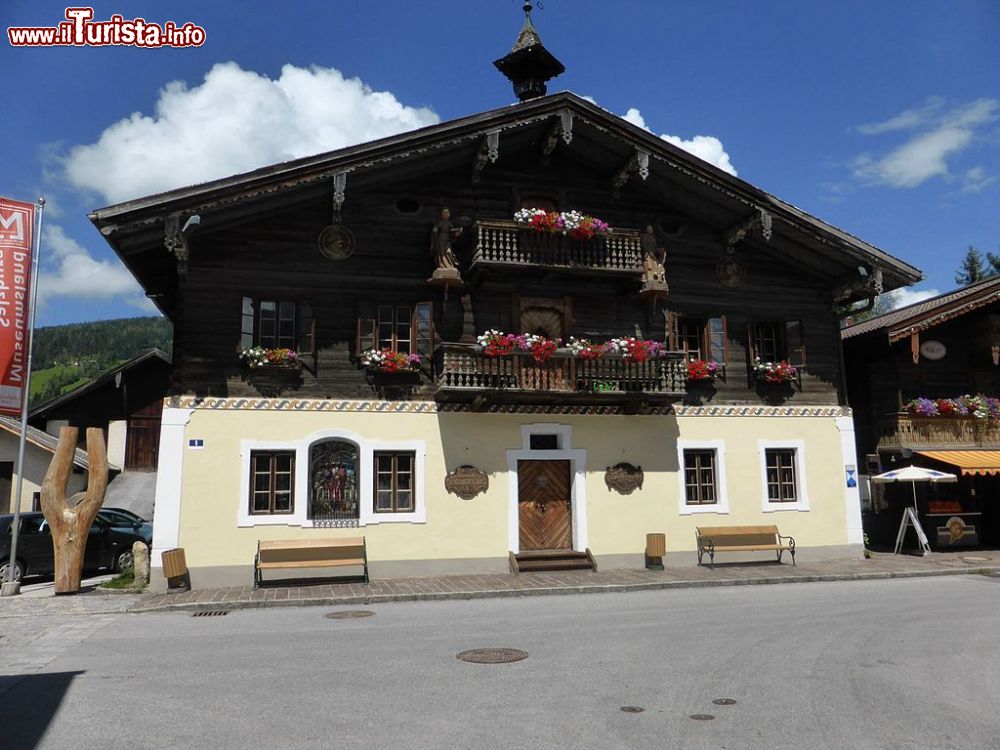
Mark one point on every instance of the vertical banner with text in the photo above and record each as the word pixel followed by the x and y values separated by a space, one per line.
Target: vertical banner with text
pixel 17 223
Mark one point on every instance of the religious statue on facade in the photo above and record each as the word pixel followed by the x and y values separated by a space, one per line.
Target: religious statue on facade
pixel 445 263
pixel 654 275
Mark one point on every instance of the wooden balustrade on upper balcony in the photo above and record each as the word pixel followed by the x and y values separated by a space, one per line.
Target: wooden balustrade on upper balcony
pixel 464 373
pixel 904 430
pixel 508 244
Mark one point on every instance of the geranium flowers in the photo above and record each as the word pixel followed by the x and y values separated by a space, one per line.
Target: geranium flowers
pixel 389 360
pixel 574 224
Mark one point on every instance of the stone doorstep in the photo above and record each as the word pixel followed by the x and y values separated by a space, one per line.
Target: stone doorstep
pixel 220 599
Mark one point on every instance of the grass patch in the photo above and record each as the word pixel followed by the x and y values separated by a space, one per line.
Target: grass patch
pixel 124 581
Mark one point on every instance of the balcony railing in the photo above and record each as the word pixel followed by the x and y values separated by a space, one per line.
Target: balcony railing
pixel 505 243
pixel 907 431
pixel 463 372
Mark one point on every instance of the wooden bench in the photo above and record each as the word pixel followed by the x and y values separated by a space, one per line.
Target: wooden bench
pixel 712 539
pixel 309 553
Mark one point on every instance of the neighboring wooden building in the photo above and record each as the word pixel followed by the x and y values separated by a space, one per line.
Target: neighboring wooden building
pixel 125 402
pixel 941 348
pixel 474 458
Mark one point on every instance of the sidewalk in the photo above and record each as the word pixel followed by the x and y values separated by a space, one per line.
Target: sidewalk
pixel 881 565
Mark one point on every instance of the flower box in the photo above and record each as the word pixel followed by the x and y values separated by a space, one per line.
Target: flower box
pixel 394 378
pixel 389 361
pixel 260 358
pixel 573 224
pixel 775 372
pixel 702 371
pixel 975 407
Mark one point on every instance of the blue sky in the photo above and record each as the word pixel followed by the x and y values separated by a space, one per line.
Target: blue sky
pixel 880 118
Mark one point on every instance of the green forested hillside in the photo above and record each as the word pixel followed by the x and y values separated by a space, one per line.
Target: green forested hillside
pixel 65 357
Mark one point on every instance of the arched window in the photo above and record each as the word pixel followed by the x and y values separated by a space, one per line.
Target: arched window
pixel 333 483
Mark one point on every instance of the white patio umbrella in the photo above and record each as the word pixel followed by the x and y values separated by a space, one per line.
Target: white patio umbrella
pixel 914 474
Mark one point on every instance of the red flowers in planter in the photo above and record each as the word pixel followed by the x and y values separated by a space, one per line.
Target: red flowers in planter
pixel 699 369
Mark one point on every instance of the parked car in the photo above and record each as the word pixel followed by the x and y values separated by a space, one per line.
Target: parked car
pixel 107 547
pixel 127 522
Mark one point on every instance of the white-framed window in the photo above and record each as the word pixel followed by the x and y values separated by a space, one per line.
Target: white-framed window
pixel 353 497
pixel 702 477
pixel 783 475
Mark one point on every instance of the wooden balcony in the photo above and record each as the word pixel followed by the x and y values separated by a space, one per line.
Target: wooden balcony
pixel 506 244
pixel 464 373
pixel 907 431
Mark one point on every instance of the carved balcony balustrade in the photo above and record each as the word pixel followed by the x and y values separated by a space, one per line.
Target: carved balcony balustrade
pixel 464 373
pixel 907 431
pixel 508 244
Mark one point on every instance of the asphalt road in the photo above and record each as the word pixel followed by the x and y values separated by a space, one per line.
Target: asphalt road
pixel 873 664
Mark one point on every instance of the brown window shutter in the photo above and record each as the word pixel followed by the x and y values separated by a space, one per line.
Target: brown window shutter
pixel 423 331
pixel 307 329
pixel 717 340
pixel 751 343
pixel 795 343
pixel 365 337
pixel 673 330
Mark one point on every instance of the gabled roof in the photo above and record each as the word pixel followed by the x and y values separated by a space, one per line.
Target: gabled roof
pixel 101 380
pixel 42 439
pixel 135 228
pixel 920 316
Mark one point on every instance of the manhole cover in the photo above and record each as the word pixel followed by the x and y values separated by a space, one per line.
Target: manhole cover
pixel 350 614
pixel 702 717
pixel 492 655
pixel 633 709
pixel 724 702
pixel 211 613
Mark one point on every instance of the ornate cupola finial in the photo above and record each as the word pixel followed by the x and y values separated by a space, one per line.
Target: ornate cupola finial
pixel 529 65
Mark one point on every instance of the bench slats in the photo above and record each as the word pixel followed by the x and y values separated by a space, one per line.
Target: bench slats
pixel 712 539
pixel 284 554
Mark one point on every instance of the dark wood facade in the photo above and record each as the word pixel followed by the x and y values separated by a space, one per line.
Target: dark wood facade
pixel 943 348
pixel 256 244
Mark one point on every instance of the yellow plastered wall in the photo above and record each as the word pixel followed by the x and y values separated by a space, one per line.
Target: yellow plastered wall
pixel 211 491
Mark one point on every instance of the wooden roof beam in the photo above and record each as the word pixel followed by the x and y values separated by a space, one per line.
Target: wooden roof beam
pixel 488 153
pixel 736 233
pixel 638 163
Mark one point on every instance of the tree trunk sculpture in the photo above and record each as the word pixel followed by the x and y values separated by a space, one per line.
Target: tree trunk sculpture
pixel 70 520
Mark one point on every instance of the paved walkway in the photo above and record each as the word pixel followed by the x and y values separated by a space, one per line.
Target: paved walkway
pixel 881 565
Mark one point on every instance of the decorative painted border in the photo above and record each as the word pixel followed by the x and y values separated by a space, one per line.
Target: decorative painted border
pixel 430 407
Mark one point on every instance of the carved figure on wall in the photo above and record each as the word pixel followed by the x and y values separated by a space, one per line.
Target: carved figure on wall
pixel 441 238
pixel 654 275
pixel 445 263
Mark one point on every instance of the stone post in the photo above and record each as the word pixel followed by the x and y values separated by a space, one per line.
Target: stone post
pixel 140 563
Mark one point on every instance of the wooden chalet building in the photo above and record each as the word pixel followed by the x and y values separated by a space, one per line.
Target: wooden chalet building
pixel 479 457
pixel 899 365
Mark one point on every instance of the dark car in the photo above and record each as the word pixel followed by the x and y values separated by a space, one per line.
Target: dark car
pixel 128 523
pixel 106 547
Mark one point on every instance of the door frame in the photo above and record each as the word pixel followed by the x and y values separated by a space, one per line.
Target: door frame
pixel 577 484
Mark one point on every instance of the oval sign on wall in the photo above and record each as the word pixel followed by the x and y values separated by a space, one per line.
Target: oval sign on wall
pixel 933 350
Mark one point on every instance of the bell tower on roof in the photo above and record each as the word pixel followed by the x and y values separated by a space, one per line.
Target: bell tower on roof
pixel 529 65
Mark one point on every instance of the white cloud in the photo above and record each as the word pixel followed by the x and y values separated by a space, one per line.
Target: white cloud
pixel 926 154
pixel 234 121
pixel 907 119
pixel 975 179
pixel 907 296
pixel 705 147
pixel 68 270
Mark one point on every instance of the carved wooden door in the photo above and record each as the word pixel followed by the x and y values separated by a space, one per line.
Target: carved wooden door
pixel 544 512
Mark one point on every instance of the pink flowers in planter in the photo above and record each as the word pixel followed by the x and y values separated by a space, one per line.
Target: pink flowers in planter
pixel 574 224
pixel 389 360
pixel 498 344
pixel 700 369
pixel 978 406
pixel 258 356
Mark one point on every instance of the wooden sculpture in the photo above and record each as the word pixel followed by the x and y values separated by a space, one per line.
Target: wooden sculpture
pixel 70 520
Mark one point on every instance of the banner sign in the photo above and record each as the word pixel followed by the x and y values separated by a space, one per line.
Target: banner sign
pixel 17 222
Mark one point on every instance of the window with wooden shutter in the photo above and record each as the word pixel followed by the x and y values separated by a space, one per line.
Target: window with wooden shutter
pixel 765 341
pixel 717 340
pixel 394 328
pixel 795 344
pixel 267 323
pixel 365 335
pixel 423 331
pixel 673 330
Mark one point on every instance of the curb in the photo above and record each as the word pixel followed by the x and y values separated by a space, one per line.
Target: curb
pixel 558 590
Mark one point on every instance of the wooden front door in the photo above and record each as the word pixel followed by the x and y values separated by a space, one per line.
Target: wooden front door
pixel 544 506
pixel 142 438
